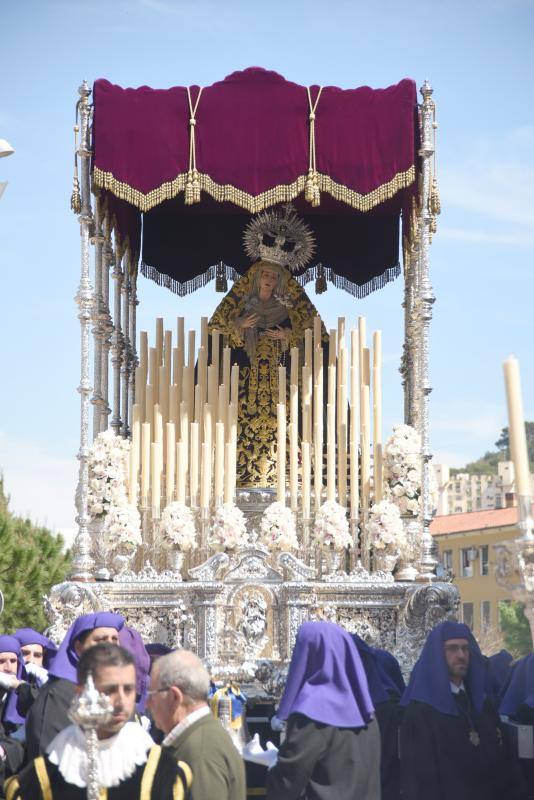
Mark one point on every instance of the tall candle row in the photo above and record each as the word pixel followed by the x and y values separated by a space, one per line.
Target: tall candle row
pixel 184 427
pixel 349 428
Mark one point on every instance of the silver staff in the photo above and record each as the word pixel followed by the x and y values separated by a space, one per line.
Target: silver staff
pixel 90 710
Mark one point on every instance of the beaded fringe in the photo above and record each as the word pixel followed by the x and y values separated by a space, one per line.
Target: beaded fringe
pixel 218 270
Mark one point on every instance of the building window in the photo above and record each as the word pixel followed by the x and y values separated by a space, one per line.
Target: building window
pixel 469 505
pixel 498 501
pixel 479 502
pixel 485 615
pixel 466 568
pixel 447 559
pixel 484 560
pixel 467 614
pixel 458 509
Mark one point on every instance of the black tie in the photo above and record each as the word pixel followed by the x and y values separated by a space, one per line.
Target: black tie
pixel 462 700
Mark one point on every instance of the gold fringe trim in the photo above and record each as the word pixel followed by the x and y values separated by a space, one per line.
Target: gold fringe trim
pixel 226 193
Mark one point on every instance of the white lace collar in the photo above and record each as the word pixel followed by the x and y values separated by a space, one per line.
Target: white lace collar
pixel 118 756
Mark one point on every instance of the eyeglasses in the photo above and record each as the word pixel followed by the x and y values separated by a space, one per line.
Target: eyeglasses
pixel 156 691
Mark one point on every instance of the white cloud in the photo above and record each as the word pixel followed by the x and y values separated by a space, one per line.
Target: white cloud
pixel 41 483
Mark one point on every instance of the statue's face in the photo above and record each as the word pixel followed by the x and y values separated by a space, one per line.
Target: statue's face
pixel 268 281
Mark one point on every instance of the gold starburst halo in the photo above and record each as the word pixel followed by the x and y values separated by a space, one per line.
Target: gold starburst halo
pixel 280 237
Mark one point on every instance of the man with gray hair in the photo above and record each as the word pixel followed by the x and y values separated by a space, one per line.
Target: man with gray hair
pixel 178 702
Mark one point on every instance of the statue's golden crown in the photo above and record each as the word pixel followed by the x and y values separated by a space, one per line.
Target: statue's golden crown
pixel 280 237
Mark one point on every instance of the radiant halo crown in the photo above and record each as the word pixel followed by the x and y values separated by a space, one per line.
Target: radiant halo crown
pixel 280 237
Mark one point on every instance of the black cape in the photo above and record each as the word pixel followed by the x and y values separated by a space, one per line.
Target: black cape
pixel 321 762
pixel 48 715
pixel 164 780
pixel 439 761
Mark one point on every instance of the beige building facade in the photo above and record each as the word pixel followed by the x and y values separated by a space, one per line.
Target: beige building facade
pixel 466 548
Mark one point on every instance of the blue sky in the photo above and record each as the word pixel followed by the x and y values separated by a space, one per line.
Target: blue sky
pixel 477 55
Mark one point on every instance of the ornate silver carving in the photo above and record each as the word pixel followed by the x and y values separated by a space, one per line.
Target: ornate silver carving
pixel 82 562
pixel 117 340
pixel 90 710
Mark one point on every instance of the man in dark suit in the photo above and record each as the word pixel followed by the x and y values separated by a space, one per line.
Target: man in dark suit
pixel 178 703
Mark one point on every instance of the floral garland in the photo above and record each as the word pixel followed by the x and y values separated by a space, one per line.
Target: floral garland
pixel 229 529
pixel 108 468
pixel 108 496
pixel 402 468
pixel 331 527
pixel 122 526
pixel 277 527
pixel 178 526
pixel 385 528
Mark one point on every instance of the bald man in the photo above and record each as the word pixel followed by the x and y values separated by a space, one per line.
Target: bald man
pixel 178 702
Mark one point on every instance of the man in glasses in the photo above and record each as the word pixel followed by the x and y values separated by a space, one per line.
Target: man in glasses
pixel 178 703
pixel 451 746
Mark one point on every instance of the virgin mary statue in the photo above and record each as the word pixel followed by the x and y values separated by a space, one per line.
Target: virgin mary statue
pixel 262 317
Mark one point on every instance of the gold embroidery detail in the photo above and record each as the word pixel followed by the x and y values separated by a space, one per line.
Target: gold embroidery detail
pixel 226 193
pixel 149 772
pixel 42 776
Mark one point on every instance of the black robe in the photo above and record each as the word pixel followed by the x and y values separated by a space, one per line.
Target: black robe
pixel 388 715
pixel 40 780
pixel 439 761
pixel 321 762
pixel 48 715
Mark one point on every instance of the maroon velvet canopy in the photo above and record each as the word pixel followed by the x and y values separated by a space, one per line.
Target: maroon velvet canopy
pixel 249 148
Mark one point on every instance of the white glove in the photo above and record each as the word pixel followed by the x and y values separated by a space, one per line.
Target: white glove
pixel 39 673
pixel 8 681
pixel 253 751
pixel 277 724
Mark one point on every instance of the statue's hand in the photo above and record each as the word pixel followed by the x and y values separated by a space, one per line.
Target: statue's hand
pixel 278 333
pixel 247 322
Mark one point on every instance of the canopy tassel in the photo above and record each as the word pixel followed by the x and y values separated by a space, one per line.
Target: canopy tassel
pixel 76 198
pixel 320 280
pixel 311 187
pixel 192 184
pixel 221 283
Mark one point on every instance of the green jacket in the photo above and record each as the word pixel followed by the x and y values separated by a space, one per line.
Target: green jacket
pixel 218 769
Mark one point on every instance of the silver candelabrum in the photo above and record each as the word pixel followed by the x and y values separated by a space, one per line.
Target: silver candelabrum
pixel 90 710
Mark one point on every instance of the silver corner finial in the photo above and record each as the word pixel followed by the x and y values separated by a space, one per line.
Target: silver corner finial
pixel 84 90
pixel 426 89
pixel 90 709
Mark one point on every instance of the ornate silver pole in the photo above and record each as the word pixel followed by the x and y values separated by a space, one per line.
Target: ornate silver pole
pixel 90 710
pixel 82 562
pixel 116 346
pixel 107 324
pixel 425 299
pixel 134 302
pixel 126 357
pixel 98 324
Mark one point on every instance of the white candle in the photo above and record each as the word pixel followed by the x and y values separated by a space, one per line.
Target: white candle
pixel 332 347
pixel 156 469
pixel 205 486
pixel 331 453
pixel 180 333
pixel 163 393
pixel 294 403
pixel 193 472
pixel 317 331
pixel 219 462
pixel 184 426
pixel 308 347
pixel 153 373
pixel 143 352
pixel 159 340
pixel 158 425
pixel 365 445
pixel 134 460
pixel 191 348
pixel 215 347
pixel 282 384
pixel 204 333
pixel 318 464
pixel 342 465
pixel 222 406
pixel 293 464
pixel 202 373
pixel 170 462
pixel 145 462
pixel 167 353
pixel 181 472
pixel 516 427
pixel 294 366
pixel 234 393
pixel 332 385
pixel 377 415
pixel 281 454
pixel 306 470
pixel 340 333
pixel 208 424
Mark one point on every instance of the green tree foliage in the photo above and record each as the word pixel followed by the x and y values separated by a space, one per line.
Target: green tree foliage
pixel 31 561
pixel 515 628
pixel 503 442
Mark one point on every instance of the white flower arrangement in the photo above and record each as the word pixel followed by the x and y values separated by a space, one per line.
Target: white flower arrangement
pixel 108 469
pixel 229 529
pixel 122 526
pixel 277 528
pixel 178 526
pixel 331 527
pixel 402 468
pixel 385 528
